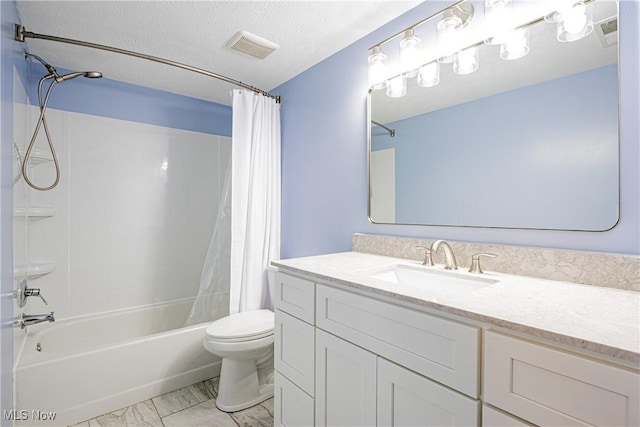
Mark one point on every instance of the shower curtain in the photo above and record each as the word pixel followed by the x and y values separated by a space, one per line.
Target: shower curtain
pixel 246 236
pixel 213 295
pixel 255 205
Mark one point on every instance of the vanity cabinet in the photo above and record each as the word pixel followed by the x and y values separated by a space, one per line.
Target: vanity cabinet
pixel 350 358
pixel 365 362
pixel 294 351
pixel 549 386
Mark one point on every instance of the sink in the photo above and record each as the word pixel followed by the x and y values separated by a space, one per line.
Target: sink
pixel 431 281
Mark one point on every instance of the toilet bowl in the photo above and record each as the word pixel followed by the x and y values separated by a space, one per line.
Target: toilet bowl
pixel 244 341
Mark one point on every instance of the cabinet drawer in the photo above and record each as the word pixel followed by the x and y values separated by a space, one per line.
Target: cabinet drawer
pixel 443 350
pixel 494 418
pixel 292 406
pixel 406 399
pixel 295 296
pixel 295 350
pixel 548 386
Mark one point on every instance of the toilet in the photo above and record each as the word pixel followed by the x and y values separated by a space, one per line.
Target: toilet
pixel 244 341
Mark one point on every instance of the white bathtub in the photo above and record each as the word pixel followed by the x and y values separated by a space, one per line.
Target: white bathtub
pixel 96 364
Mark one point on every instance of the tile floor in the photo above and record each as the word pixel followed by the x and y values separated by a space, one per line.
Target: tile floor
pixel 192 406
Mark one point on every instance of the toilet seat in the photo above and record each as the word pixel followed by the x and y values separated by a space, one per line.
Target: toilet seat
pixel 241 327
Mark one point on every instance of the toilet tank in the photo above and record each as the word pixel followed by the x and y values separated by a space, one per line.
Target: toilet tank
pixel 271 286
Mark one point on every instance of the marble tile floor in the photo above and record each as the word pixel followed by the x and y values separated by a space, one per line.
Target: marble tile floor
pixel 192 406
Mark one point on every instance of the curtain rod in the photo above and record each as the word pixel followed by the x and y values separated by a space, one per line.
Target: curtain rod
pixel 392 132
pixel 21 33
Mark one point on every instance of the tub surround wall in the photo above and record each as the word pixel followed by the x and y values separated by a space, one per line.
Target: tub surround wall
pixel 11 64
pixel 587 268
pixel 21 197
pixel 134 213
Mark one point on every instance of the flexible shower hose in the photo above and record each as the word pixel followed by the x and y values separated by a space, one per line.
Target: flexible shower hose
pixel 42 121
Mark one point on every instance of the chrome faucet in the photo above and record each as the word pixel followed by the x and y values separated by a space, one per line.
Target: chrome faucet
pixel 449 258
pixel 25 320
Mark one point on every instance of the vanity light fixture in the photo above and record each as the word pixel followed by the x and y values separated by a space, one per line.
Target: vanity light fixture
pixel 453 20
pixel 429 75
pixel 409 53
pixel 397 86
pixel 502 26
pixel 573 20
pixel 515 44
pixel 497 16
pixel 466 61
pixel 377 68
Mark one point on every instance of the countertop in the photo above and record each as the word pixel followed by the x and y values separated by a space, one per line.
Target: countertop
pixel 600 320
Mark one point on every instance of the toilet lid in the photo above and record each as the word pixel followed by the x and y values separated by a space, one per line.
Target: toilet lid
pixel 247 325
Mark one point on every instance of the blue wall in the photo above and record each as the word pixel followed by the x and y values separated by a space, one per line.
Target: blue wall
pixel 111 98
pixel 558 150
pixel 324 156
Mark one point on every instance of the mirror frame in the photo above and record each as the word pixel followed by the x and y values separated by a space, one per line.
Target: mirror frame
pixel 619 190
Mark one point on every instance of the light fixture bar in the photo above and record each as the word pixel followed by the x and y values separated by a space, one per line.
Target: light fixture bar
pixel 398 34
pixel 456 4
pixel 525 25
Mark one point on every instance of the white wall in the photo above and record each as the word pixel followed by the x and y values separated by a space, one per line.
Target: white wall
pixel 135 209
pixel 20 196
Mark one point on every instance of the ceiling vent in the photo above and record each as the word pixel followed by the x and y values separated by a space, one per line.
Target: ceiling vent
pixel 608 32
pixel 251 45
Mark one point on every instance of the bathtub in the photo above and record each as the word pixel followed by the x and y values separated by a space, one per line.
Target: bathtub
pixel 84 367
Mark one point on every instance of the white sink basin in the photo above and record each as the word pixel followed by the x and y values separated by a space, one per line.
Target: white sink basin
pixel 431 281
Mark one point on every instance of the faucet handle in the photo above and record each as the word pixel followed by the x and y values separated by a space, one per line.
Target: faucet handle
pixel 475 262
pixel 34 292
pixel 428 259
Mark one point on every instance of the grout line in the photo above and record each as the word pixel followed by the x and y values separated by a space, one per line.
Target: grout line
pixel 156 409
pixel 234 420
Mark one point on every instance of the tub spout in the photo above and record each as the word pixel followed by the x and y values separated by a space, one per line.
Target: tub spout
pixel 25 320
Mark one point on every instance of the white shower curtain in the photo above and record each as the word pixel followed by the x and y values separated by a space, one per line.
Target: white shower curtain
pixel 255 204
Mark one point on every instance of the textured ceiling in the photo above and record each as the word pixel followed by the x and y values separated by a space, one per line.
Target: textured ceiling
pixel 196 33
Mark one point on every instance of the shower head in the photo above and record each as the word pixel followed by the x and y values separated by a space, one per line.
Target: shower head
pixel 88 74
pixel 53 73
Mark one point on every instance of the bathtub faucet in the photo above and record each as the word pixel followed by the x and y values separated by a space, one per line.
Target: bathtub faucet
pixel 25 320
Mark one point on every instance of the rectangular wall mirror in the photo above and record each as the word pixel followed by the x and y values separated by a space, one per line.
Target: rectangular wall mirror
pixel 528 143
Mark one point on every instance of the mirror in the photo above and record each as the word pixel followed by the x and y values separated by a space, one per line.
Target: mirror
pixel 530 143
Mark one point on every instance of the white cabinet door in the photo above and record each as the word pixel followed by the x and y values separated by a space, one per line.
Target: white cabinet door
pixel 548 386
pixel 293 407
pixel 294 350
pixel 345 383
pixel 408 399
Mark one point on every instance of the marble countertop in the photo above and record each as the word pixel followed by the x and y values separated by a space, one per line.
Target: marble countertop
pixel 600 320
